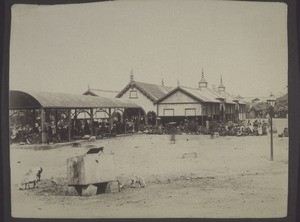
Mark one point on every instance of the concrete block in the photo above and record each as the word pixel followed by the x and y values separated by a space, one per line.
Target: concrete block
pixel 112 187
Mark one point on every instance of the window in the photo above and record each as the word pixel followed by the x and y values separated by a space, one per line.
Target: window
pixel 133 94
pixel 190 112
pixel 168 112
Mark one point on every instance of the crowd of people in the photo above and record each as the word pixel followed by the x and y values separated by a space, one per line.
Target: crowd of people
pixel 79 128
pixel 32 134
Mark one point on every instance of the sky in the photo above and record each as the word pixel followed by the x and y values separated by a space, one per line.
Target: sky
pixel 65 48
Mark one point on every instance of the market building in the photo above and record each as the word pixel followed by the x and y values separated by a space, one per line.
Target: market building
pixel 145 95
pixel 176 103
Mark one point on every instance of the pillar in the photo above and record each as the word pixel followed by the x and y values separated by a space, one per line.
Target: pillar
pixel 139 120
pixel 33 117
pixel 43 125
pixel 69 125
pixel 110 120
pixel 125 121
pixel 92 121
pixel 56 120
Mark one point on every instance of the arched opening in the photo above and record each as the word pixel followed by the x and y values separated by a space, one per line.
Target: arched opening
pixel 118 121
pixel 134 120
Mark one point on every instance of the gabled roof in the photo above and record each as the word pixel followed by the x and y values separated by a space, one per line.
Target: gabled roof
pixel 39 99
pixel 197 94
pixel 89 93
pixel 152 91
pixel 204 94
pixel 101 93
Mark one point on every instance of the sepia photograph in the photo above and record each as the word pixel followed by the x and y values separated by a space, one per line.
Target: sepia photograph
pixel 149 109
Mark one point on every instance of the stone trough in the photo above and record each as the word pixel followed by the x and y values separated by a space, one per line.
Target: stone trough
pixel 96 169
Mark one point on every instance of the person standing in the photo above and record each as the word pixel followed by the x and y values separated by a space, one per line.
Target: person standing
pixel 173 132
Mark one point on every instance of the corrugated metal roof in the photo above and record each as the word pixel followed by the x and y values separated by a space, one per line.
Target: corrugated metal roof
pixel 155 91
pixel 204 94
pixel 30 99
pixel 228 98
pixel 101 93
pixel 152 91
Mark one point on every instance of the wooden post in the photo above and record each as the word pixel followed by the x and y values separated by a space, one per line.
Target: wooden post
pixel 69 126
pixel 110 120
pixel 34 117
pixel 139 120
pixel 43 125
pixel 56 120
pixel 124 121
pixel 92 121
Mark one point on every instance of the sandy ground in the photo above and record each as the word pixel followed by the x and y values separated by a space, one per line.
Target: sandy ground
pixel 230 177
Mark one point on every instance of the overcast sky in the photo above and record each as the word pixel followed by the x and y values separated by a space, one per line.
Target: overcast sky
pixel 63 48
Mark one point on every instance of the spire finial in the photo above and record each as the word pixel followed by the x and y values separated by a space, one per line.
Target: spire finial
pixel 221 87
pixel 162 82
pixel 202 73
pixel 131 75
pixel 177 82
pixel 88 86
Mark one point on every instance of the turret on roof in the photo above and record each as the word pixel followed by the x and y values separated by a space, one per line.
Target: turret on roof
pixel 221 87
pixel 203 82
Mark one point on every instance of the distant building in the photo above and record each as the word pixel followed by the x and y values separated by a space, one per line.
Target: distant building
pixel 253 100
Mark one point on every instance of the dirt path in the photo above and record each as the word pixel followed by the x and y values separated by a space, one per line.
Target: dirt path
pixel 230 177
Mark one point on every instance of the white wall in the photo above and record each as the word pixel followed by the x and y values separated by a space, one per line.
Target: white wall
pixel 179 102
pixel 179 97
pixel 179 109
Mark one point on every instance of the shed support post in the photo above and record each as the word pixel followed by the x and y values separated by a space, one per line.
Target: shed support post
pixel 139 120
pixel 43 125
pixel 56 120
pixel 92 121
pixel 125 121
pixel 34 117
pixel 69 125
pixel 110 120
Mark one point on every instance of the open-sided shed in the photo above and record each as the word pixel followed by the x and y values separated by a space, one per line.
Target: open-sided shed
pixel 43 104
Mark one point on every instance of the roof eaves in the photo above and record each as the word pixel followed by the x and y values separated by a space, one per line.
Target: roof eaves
pixel 178 88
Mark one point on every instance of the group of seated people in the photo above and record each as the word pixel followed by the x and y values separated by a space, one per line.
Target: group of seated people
pixel 239 128
pixel 257 128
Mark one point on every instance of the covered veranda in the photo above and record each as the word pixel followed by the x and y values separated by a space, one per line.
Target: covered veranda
pixel 70 116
